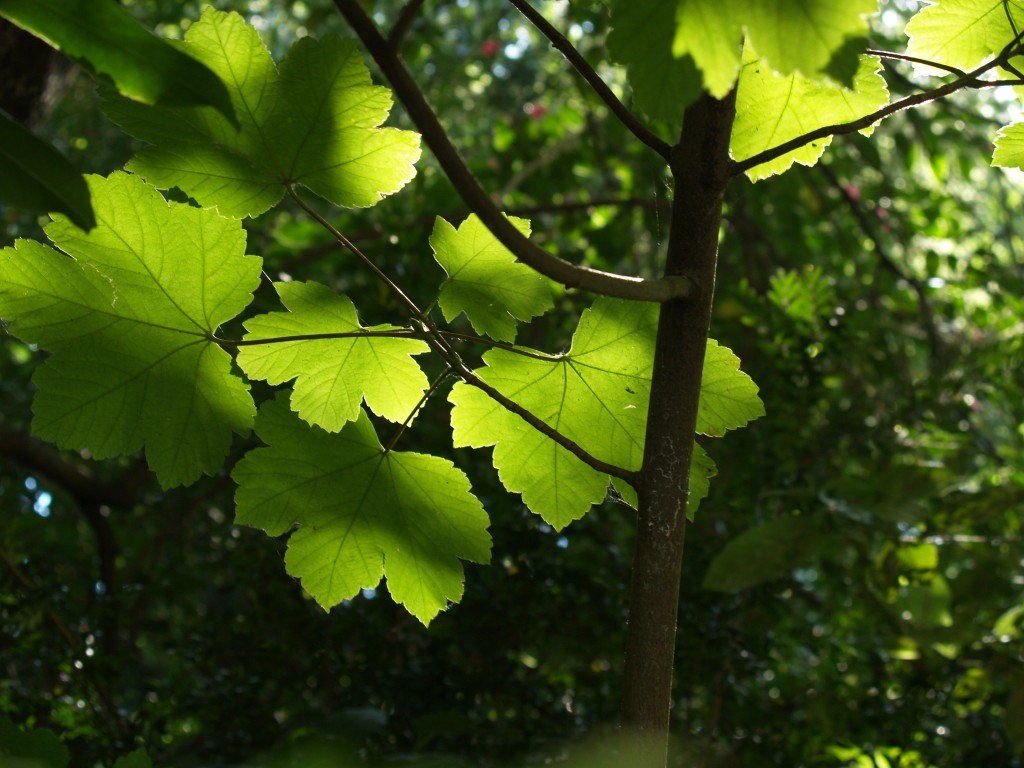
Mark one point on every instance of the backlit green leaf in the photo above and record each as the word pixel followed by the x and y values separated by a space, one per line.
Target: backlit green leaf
pixel 702 469
pixel 771 109
pixel 361 513
pixel 129 314
pixel 101 36
pixel 333 376
pixel 595 395
pixel 792 35
pixel 313 123
pixel 484 279
pixel 728 397
pixel 1009 147
pixel 963 33
pixel 641 38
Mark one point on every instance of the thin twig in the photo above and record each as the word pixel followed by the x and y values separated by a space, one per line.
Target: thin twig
pixel 590 460
pixel 405 20
pixel 867 227
pixel 499 345
pixel 109 708
pixel 398 333
pixel 319 250
pixel 568 274
pixel 423 400
pixel 581 65
pixel 967 80
pixel 367 262
pixel 914 60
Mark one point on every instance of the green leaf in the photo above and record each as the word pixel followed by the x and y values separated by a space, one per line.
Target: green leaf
pixel 484 279
pixel 136 759
pixel 35 748
pixel 805 296
pixel 962 33
pixel 792 35
pixel 129 318
pixel 362 513
pixel 766 551
pixel 1009 147
pixel 104 38
pixel 641 38
pixel 728 396
pixel 771 109
pixel 36 177
pixel 313 123
pixel 702 469
pixel 595 395
pixel 332 376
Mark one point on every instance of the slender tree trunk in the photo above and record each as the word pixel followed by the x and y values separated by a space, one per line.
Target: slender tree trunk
pixel 699 167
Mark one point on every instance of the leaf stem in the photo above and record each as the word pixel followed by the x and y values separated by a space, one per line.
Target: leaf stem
pixel 545 429
pixel 348 245
pixel 405 19
pixel 568 274
pixel 423 400
pixel 398 333
pixel 915 60
pixel 468 337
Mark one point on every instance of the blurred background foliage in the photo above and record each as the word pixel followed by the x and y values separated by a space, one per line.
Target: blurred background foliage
pixel 853 590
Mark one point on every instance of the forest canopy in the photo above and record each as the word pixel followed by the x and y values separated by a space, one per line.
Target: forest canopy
pixel 360 361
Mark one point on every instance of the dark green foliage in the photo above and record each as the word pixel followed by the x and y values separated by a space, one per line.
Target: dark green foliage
pixel 876 300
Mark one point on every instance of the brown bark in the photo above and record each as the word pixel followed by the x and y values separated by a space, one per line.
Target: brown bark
pixel 700 165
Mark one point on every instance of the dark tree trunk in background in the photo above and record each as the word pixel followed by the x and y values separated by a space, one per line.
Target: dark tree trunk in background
pixel 26 65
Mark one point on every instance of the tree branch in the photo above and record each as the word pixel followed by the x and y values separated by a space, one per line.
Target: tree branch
pixel 914 60
pixel 79 483
pixel 314 252
pixel 547 264
pixel 581 65
pixel 970 79
pixel 868 228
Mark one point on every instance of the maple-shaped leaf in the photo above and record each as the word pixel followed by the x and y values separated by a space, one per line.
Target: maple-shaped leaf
pixel 673 47
pixel 129 311
pixel 728 396
pixel 702 469
pixel 333 375
pixel 963 33
pixel 663 84
pixel 771 109
pixel 1009 146
pixel 484 279
pixel 792 35
pixel 362 513
pixel 595 395
pixel 314 123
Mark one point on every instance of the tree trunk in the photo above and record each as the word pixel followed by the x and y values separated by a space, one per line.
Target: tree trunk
pixel 699 167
